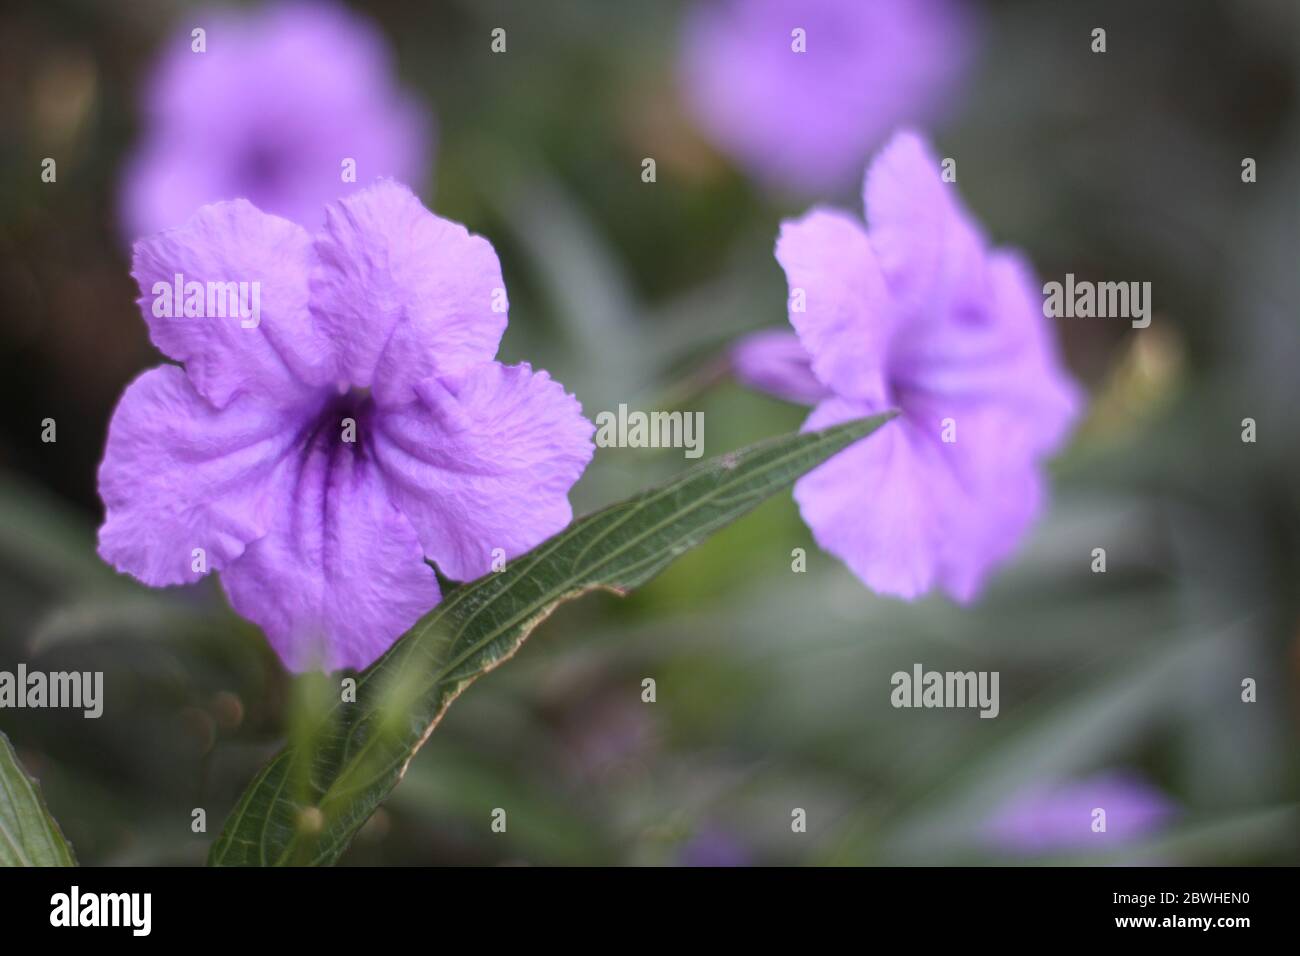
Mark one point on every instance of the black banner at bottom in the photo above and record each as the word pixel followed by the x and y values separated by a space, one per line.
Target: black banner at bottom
pixel 337 906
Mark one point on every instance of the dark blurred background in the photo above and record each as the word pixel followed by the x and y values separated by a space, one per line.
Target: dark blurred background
pixel 772 687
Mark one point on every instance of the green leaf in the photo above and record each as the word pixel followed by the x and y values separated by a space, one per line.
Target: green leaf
pixel 28 834
pixel 309 802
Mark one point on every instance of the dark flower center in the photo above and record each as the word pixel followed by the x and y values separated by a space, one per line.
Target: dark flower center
pixel 344 422
pixel 262 169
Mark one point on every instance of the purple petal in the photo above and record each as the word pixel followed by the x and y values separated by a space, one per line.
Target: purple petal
pixel 404 293
pixel 254 337
pixel 483 460
pixel 340 575
pixel 712 846
pixel 929 248
pixel 775 362
pixel 908 209
pixel 908 512
pixel 987 523
pixel 269 112
pixel 179 474
pixel 878 505
pixel 838 302
pixel 1047 398
pixel 1060 816
pixel 999 378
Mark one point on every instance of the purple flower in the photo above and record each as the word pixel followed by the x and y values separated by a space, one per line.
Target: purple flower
pixel 809 119
pixel 271 112
pixel 921 315
pixel 319 453
pixel 1064 816
pixel 713 847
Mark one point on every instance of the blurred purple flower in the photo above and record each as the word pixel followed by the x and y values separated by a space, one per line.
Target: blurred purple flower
pixel 808 120
pixel 713 847
pixel 389 319
pixel 270 111
pixel 1060 817
pixel 919 314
